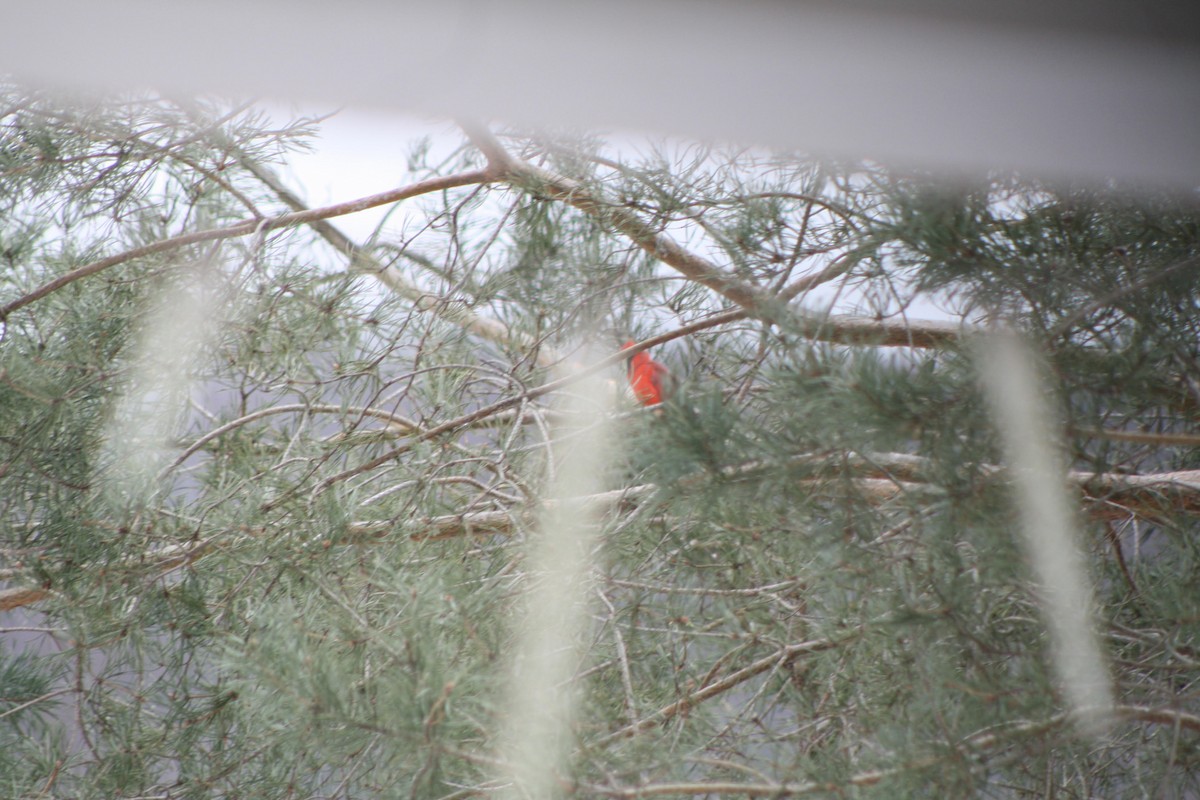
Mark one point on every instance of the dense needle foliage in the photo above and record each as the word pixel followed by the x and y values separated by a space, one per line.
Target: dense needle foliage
pixel 256 544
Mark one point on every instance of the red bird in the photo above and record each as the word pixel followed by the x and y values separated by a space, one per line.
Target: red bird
pixel 648 378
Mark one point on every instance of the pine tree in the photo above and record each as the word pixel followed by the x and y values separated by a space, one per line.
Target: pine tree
pixel 271 496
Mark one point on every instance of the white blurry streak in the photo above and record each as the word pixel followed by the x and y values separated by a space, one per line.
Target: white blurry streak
pixel 139 437
pixel 536 739
pixel 1049 527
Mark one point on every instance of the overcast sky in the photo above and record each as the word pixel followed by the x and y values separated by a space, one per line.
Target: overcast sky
pixel 358 153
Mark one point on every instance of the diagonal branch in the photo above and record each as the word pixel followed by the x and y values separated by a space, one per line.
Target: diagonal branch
pixel 247 227
pixel 532 178
pixel 474 416
pixel 1111 298
pixel 756 302
pixel 781 656
pixel 360 259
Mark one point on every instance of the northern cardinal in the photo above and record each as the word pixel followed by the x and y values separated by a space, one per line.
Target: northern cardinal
pixel 648 378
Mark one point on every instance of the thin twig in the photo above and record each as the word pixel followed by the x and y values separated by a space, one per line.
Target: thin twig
pixel 247 227
pixel 691 699
pixel 361 259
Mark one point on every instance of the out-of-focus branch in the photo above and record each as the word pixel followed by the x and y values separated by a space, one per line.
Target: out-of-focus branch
pixel 164 560
pixel 21 596
pixel 1140 437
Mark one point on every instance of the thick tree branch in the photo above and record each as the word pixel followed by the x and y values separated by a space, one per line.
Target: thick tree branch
pixel 756 302
pixel 882 477
pixel 534 179
pixel 21 596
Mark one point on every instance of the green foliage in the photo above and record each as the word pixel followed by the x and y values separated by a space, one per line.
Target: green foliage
pixel 813 580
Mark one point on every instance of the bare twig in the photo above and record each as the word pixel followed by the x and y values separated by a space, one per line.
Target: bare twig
pixel 736 678
pixel 247 227
pixel 401 423
pixel 29 703
pixel 361 259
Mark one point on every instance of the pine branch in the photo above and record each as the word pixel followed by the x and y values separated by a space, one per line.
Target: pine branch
pixel 1111 298
pixel 973 746
pixel 890 475
pixel 772 308
pixel 783 655
pixel 695 588
pixel 361 260
pixel 835 269
pixel 479 416
pixel 30 703
pixel 473 417
pixel 401 424
pixel 21 596
pixel 163 559
pixel 246 228
pixel 503 521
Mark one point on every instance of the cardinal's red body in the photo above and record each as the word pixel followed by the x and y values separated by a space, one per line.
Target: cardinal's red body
pixel 647 377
